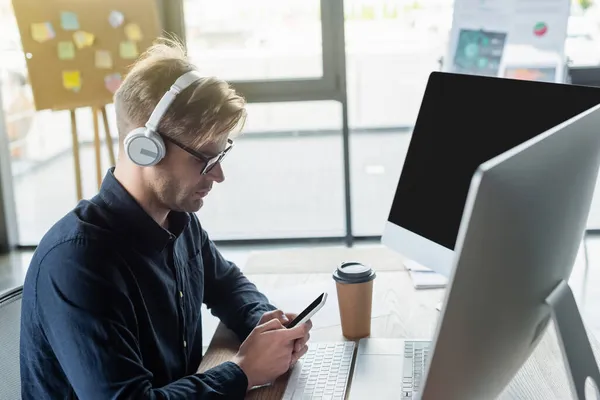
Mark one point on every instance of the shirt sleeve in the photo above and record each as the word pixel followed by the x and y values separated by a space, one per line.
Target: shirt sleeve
pixel 90 324
pixel 229 294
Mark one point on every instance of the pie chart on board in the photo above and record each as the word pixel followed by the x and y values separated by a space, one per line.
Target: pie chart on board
pixel 540 29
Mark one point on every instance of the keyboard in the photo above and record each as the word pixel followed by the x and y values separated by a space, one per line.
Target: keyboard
pixel 416 356
pixel 322 373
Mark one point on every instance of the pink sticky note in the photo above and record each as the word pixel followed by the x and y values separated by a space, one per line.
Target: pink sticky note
pixel 112 82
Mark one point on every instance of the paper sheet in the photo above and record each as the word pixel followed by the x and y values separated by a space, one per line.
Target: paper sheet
pixel 531 73
pixel 527 26
pixel 69 21
pixel 103 59
pixel 424 278
pixel 133 32
pixel 42 32
pixel 543 31
pixel 542 6
pixel 485 6
pixel 66 50
pixel 479 52
pixel 128 50
pixel 72 80
pixel 427 280
pixel 295 299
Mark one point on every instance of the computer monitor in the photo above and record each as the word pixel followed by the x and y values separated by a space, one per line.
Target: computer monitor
pixel 525 214
pixel 588 76
pixel 465 120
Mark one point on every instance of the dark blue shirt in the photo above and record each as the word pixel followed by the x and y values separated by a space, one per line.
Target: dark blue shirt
pixel 112 306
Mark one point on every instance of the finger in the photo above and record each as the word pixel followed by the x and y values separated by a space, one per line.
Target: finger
pixel 291 316
pixel 298 355
pixel 309 324
pixel 297 332
pixel 299 343
pixel 271 325
pixel 279 314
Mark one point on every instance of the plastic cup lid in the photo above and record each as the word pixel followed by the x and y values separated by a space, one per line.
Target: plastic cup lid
pixel 353 272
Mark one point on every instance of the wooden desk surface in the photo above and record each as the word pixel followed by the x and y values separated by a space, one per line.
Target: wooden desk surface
pixel 412 314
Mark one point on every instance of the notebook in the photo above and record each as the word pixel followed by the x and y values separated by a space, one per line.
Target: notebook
pixel 424 278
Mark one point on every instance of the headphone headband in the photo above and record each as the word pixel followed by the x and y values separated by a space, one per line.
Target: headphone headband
pixel 182 83
pixel 144 146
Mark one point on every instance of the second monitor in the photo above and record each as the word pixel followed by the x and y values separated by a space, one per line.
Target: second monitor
pixel 458 129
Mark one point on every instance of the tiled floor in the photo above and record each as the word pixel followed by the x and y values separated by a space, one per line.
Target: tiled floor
pixel 585 282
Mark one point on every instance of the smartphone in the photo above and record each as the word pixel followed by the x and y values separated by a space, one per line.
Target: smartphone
pixel 309 311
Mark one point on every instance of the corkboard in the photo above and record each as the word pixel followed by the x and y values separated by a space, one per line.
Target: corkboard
pixel 46 68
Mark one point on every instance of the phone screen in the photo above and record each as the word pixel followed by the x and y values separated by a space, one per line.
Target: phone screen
pixel 306 311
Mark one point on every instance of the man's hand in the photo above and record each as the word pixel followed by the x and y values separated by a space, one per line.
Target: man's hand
pixel 300 347
pixel 275 314
pixel 267 352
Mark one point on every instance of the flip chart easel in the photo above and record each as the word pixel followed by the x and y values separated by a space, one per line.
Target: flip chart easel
pixel 78 52
pixel 96 113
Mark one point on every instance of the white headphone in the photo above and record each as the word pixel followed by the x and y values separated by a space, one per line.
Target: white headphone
pixel 144 146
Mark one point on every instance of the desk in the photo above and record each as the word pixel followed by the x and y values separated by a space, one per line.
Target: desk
pixel 411 314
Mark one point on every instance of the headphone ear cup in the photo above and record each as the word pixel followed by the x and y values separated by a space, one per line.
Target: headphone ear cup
pixel 144 148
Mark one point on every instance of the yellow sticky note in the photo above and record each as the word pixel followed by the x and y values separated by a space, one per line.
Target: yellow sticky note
pixel 42 32
pixel 72 80
pixel 83 39
pixel 128 50
pixel 133 32
pixel 66 50
pixel 103 59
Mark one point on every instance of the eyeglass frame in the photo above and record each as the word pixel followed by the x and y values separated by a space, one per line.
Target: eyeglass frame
pixel 207 160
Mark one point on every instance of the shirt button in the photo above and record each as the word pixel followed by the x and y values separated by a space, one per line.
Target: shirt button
pixel 181 294
pixel 184 343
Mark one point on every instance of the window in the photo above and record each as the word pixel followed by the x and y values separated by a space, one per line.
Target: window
pixel 255 40
pixel 284 178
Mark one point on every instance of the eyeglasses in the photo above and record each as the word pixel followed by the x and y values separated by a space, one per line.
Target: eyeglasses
pixel 209 162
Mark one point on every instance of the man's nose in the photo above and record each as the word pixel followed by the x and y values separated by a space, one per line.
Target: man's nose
pixel 217 173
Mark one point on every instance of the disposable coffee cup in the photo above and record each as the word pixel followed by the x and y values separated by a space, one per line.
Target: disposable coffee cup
pixel 354 284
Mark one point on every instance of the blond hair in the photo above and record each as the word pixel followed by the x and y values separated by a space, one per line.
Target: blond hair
pixel 205 112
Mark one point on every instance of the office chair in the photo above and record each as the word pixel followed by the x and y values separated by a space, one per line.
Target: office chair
pixel 10 328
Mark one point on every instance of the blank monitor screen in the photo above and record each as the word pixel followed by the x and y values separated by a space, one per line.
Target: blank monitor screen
pixel 465 120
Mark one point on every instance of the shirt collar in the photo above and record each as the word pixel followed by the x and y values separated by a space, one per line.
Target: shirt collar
pixel 129 219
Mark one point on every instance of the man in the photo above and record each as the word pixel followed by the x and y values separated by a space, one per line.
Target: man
pixel 112 300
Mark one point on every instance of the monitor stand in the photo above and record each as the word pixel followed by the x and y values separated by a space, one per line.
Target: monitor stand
pixel 576 349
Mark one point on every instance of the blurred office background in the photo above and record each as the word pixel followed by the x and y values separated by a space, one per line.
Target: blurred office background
pixel 286 179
